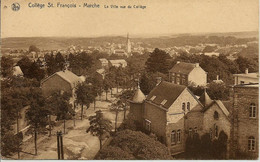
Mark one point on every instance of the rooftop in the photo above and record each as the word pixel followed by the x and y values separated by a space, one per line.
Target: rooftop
pixel 183 67
pixel 249 75
pixel 138 97
pixel 66 75
pixel 165 91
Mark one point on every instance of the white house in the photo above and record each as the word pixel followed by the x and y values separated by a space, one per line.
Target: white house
pixel 188 74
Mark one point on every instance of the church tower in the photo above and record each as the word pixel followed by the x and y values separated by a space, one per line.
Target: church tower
pixel 137 106
pixel 128 45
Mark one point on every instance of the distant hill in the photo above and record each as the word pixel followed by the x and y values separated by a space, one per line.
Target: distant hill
pixel 54 43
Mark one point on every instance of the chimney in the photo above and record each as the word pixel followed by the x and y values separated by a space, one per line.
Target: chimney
pixel 246 71
pixel 178 62
pixel 197 64
pixel 158 80
pixel 217 77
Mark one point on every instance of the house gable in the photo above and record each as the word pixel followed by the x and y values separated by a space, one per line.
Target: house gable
pixel 175 112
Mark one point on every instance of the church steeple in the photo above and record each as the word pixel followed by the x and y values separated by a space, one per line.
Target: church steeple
pixel 128 45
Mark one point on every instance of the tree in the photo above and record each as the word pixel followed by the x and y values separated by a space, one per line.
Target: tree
pixel 218 91
pixel 33 48
pixel 149 80
pixel 37 114
pixel 60 61
pixel 108 84
pixel 6 66
pixel 84 95
pixel 51 64
pixel 99 126
pixel 58 104
pixel 135 145
pixel 124 96
pixel 25 64
pixel 114 153
pixel 159 61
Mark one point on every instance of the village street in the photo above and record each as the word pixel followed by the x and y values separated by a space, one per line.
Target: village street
pixel 77 143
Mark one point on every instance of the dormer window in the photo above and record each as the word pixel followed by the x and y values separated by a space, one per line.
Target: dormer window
pixel 163 102
pixel 152 98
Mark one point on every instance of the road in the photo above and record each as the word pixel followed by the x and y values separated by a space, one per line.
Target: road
pixel 77 143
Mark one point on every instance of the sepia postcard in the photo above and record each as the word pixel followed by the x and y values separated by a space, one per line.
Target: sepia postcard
pixel 129 79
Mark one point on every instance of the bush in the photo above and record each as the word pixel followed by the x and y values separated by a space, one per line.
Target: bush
pixel 135 145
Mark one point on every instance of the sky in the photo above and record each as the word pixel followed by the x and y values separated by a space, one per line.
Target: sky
pixel 159 17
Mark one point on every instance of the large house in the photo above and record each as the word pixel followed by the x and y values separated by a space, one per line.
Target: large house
pixel 65 81
pixel 117 63
pixel 173 113
pixel 245 120
pixel 246 78
pixel 188 74
pixel 104 62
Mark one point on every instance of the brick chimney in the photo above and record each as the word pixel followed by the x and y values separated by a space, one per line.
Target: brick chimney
pixel 246 71
pixel 217 77
pixel 197 64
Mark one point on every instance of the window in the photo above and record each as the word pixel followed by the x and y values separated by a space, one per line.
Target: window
pixel 147 125
pixel 216 131
pixel 216 116
pixel 152 98
pixel 173 137
pixel 190 132
pixel 173 79
pixel 163 102
pixel 242 82
pixel 177 80
pixel 195 130
pixel 252 110
pixel 188 106
pixel 179 136
pixel 251 143
pixel 183 106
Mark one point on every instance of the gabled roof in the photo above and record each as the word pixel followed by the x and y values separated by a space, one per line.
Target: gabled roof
pixel 205 99
pixel 248 75
pixel 220 105
pixel 166 91
pixel 17 71
pixel 101 71
pixel 67 75
pixel 103 60
pixel 183 68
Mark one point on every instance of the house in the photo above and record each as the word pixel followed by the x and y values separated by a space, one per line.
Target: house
pixel 173 113
pixel 17 71
pixel 104 62
pixel 245 120
pixel 117 63
pixel 246 78
pixel 188 74
pixel 120 52
pixel 101 73
pixel 60 81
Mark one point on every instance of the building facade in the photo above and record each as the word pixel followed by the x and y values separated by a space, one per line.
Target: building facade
pixel 188 74
pixel 65 81
pixel 245 119
pixel 246 78
pixel 172 112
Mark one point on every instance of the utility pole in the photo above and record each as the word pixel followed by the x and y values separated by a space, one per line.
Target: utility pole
pixel 60 145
